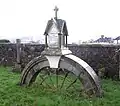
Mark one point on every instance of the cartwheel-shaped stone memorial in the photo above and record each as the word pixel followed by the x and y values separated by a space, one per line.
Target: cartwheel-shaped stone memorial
pixel 57 68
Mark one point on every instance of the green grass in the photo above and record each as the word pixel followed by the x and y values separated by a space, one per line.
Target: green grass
pixel 13 95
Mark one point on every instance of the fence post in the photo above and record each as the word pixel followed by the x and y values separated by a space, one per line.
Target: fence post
pixel 18 48
pixel 119 65
pixel 17 67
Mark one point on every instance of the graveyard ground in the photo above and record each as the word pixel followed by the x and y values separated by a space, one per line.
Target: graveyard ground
pixel 12 94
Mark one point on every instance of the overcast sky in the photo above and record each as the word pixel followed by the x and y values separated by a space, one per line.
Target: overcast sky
pixel 86 19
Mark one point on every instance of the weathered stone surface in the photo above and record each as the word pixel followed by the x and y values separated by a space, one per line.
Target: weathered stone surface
pixel 72 65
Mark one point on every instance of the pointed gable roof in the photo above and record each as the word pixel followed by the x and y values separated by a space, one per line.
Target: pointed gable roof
pixel 60 25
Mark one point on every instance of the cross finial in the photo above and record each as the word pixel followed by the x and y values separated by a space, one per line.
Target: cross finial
pixel 56 10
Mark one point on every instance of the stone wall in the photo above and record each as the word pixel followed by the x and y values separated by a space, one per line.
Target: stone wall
pixel 99 57
pixel 102 58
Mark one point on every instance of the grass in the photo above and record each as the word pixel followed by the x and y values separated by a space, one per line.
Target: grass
pixel 13 95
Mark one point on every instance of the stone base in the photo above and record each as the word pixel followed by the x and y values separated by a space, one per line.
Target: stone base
pixel 56 51
pixel 17 68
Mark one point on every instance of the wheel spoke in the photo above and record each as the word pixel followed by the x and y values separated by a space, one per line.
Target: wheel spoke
pixel 72 83
pixel 43 80
pixel 50 77
pixel 64 79
pixel 56 78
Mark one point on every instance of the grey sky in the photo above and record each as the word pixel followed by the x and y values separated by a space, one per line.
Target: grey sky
pixel 86 19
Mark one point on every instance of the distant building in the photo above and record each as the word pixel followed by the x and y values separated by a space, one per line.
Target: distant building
pixel 104 40
pixel 117 39
pixel 4 41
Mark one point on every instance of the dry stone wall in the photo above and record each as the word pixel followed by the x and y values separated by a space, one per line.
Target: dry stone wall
pixel 102 58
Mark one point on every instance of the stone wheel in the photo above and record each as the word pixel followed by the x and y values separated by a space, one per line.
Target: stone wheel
pixel 73 75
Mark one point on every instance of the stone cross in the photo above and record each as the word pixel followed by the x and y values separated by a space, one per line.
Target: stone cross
pixel 56 10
